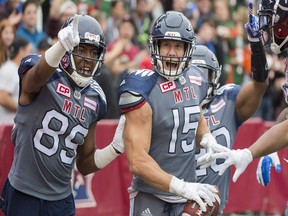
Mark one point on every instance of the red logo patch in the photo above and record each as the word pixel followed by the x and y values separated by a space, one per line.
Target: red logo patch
pixel 63 90
pixel 167 86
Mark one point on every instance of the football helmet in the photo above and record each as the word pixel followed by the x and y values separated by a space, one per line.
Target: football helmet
pixel 171 26
pixel 205 59
pixel 90 33
pixel 273 19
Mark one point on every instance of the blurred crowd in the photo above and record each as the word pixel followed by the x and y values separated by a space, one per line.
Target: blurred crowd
pixel 32 26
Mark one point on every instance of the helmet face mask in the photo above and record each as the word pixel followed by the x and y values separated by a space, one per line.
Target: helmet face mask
pixel 206 60
pixel 91 35
pixel 273 19
pixel 176 27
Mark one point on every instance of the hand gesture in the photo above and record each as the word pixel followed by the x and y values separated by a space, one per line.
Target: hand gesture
pixel 211 146
pixel 69 36
pixel 264 167
pixel 241 158
pixel 252 26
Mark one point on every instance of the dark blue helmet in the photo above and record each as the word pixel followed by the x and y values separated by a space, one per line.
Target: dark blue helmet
pixel 90 32
pixel 273 19
pixel 206 60
pixel 172 26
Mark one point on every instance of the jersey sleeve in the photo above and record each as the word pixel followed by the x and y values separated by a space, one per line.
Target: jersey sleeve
pixel 135 88
pixel 102 103
pixel 231 90
pixel 27 63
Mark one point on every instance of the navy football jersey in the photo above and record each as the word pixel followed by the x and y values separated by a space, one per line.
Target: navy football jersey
pixel 223 123
pixel 176 112
pixel 48 131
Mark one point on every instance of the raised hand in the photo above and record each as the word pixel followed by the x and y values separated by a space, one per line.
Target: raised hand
pixel 252 26
pixel 69 36
pixel 264 168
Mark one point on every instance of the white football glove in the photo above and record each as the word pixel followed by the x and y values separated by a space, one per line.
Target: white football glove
pixel 264 167
pixel 211 146
pixel 241 158
pixel 194 191
pixel 117 142
pixel 69 36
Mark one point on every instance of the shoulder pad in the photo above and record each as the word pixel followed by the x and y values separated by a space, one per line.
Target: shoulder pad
pixel 102 98
pixel 139 82
pixel 141 74
pixel 27 63
pixel 228 89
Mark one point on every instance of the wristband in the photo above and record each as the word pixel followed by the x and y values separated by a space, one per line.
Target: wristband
pixel 102 157
pixel 258 62
pixel 176 186
pixel 54 55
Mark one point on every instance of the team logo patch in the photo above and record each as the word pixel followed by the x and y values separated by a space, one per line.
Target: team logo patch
pixel 196 80
pixel 63 90
pixel 89 103
pixel 167 86
pixel 82 190
pixel 92 37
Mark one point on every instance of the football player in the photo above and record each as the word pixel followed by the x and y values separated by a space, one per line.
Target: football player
pixel 226 108
pixel 55 123
pixel 164 121
pixel 273 16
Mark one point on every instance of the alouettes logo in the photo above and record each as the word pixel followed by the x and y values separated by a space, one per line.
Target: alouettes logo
pixel 63 90
pixel 167 86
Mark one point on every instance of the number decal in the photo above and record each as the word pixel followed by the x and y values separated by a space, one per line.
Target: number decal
pixel 54 135
pixel 188 125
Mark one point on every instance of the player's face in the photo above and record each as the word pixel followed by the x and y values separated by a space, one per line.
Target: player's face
pixel 171 50
pixel 84 57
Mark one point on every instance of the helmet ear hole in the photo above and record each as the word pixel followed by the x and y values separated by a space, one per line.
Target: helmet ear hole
pixel 65 61
pixel 205 59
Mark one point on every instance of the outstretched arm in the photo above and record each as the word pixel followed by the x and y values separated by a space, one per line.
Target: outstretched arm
pixel 250 96
pixel 40 73
pixel 89 159
pixel 275 139
pixel 265 163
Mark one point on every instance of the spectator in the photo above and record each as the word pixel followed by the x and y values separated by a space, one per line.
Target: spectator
pixel 7 35
pixel 44 44
pixel 59 12
pixel 117 11
pixel 125 50
pixel 205 11
pixel 11 10
pixel 28 28
pixel 207 36
pixel 143 18
pixel 9 81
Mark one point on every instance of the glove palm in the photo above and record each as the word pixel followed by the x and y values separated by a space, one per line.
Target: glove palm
pixel 264 168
